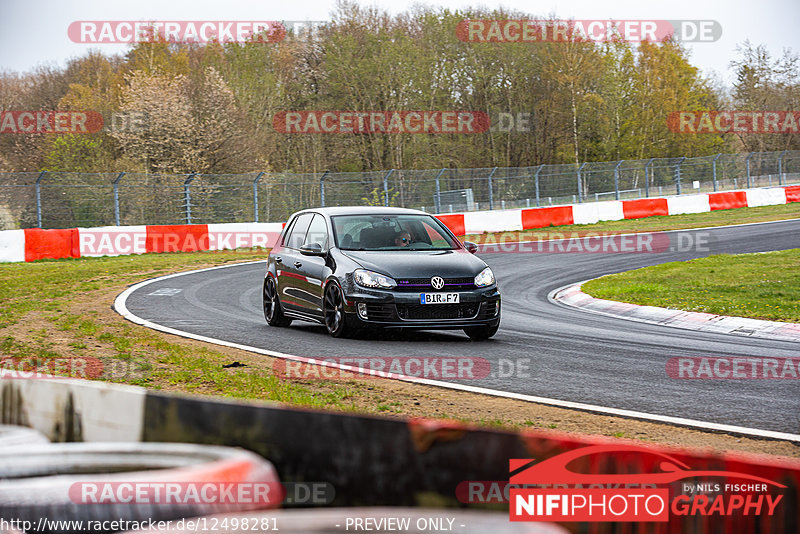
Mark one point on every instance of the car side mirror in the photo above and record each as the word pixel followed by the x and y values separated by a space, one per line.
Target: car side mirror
pixel 312 249
pixel 471 247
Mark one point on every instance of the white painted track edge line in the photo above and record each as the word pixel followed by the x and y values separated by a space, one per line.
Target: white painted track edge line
pixel 551 296
pixel 121 308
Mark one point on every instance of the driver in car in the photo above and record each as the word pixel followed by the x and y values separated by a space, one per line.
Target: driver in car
pixel 403 239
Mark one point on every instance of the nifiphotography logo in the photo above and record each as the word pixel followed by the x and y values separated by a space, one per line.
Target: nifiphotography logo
pixel 625 497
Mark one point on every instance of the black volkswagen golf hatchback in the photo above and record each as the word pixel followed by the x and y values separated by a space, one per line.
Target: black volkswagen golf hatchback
pixel 351 268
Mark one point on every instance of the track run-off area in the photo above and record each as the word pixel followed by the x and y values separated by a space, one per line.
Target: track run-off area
pixel 544 352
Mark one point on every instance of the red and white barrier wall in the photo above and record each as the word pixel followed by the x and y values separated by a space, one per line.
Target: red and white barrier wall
pixel 35 244
pixel 477 222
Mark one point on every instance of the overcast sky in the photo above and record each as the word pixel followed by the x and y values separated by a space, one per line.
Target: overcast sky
pixel 34 32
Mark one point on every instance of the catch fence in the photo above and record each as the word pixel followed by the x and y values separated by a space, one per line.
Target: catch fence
pixel 65 199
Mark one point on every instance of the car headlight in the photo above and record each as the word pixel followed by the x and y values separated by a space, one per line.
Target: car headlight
pixel 486 278
pixel 373 279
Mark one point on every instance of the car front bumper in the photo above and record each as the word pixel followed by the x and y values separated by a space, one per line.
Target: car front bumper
pixel 403 309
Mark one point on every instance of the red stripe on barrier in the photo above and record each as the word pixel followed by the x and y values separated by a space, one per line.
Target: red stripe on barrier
pixel 793 194
pixel 727 201
pixel 541 217
pixel 177 238
pixel 644 207
pixel 455 222
pixel 51 244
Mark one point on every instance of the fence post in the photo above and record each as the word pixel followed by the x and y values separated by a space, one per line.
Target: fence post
pixel 322 188
pixel 714 171
pixel 536 180
pixel 38 188
pixel 750 155
pixel 780 167
pixel 386 187
pixel 491 193
pixel 616 180
pixel 580 185
pixel 678 175
pixel 436 200
pixel 187 197
pixel 255 196
pixel 646 178
pixel 116 197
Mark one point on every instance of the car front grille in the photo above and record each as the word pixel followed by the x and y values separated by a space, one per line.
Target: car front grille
pixel 380 312
pixel 490 309
pixel 424 284
pixel 437 311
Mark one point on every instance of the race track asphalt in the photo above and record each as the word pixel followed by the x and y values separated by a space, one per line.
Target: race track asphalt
pixel 566 354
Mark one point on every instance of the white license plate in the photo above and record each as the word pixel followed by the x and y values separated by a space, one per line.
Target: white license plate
pixel 439 298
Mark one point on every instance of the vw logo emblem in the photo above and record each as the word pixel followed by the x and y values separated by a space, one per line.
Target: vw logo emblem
pixel 437 282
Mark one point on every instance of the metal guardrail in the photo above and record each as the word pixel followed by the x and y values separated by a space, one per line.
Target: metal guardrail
pixel 65 199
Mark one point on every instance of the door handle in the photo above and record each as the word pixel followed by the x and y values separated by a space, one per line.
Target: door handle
pixel 298 264
pixel 278 259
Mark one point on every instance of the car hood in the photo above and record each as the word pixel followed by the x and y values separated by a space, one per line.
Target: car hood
pixel 419 263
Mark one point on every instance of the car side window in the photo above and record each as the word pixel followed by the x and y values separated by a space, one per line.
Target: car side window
pixel 317 232
pixel 348 232
pixel 287 232
pixel 298 232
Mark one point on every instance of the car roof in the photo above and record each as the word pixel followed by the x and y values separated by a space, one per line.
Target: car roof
pixel 363 210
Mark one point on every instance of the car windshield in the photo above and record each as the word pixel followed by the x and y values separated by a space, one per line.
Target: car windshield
pixel 391 232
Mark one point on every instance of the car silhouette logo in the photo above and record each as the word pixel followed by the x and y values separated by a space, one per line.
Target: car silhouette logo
pixel 555 470
pixel 437 282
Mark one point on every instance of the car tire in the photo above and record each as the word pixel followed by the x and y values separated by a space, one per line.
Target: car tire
pixel 333 311
pixel 481 333
pixel 273 312
pixel 45 480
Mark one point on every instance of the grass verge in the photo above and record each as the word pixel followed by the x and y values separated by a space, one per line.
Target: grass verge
pixel 46 312
pixel 760 286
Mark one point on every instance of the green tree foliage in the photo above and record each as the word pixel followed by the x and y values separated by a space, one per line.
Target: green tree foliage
pixel 766 84
pixel 210 107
